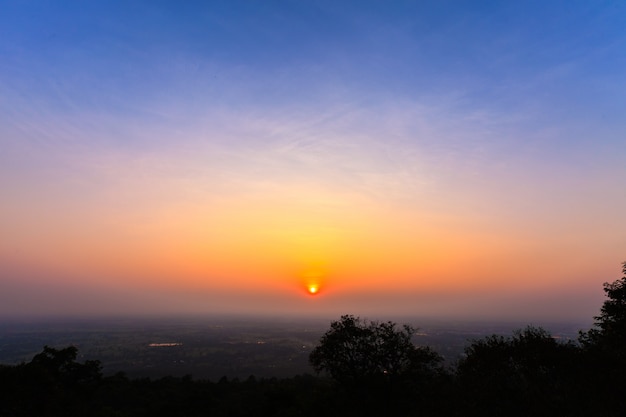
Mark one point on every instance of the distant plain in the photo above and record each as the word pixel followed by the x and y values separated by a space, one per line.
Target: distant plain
pixel 225 346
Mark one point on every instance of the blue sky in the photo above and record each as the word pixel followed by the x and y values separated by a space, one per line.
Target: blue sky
pixel 497 125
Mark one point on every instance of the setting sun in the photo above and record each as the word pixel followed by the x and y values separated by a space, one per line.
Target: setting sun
pixel 249 166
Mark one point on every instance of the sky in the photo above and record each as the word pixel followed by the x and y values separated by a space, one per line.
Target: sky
pixel 460 159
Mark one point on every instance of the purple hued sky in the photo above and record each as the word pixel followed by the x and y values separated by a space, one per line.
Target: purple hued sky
pixel 434 158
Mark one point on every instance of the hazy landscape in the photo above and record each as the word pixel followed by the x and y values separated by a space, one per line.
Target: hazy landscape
pixel 211 348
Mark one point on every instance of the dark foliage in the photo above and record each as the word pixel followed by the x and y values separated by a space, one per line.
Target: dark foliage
pixel 610 331
pixel 377 367
pixel 52 384
pixel 605 351
pixel 354 350
pixel 527 374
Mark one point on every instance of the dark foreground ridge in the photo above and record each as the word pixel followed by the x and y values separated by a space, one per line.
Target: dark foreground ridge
pixel 363 369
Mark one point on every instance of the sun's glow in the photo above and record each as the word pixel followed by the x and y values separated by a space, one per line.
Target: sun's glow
pixel 313 289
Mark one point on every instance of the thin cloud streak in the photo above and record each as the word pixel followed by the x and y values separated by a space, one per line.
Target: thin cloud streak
pixel 238 150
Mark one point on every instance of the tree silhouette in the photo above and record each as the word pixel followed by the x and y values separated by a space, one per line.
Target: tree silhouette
pixel 604 362
pixel 378 368
pixel 51 384
pixel 354 349
pixel 610 333
pixel 526 374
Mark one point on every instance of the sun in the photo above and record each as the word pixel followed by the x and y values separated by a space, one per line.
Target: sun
pixel 312 280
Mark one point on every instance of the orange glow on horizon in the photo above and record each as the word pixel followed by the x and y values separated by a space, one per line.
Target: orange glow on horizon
pixel 283 247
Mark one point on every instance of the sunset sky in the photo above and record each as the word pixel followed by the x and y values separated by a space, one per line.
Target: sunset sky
pixel 429 158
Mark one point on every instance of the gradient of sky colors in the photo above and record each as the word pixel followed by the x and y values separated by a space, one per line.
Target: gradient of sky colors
pixel 433 158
